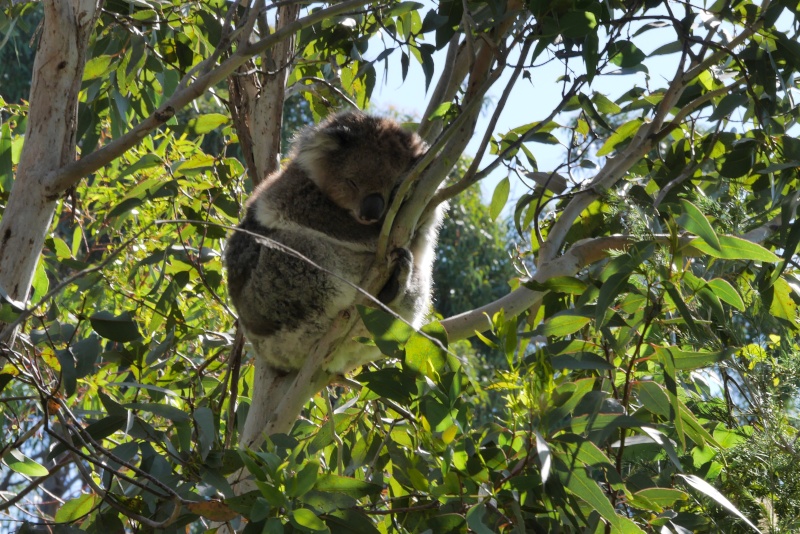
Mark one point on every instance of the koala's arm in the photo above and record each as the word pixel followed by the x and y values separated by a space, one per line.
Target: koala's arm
pixel 408 290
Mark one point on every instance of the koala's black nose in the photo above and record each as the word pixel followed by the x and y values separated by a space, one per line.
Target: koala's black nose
pixel 372 208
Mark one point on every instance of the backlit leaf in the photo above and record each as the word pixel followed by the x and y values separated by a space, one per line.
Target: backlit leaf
pixel 693 220
pixel 20 463
pixel 563 325
pixel 735 248
pixel 77 508
pixel 499 198
pixel 726 292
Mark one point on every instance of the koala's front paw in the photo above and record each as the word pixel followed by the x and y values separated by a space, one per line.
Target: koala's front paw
pixel 403 263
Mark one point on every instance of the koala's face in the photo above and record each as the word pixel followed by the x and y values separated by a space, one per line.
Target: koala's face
pixel 358 161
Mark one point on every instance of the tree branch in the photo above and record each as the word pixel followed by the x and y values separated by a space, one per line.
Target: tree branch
pixel 582 254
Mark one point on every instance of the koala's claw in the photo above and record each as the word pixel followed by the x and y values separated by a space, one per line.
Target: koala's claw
pixel 401 258
pixel 403 264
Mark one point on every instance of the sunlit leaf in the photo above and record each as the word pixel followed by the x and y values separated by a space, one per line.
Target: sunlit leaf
pixel 207 123
pixel 347 485
pixel 426 350
pixel 78 508
pixel 308 520
pixel 726 292
pixel 736 248
pixel 693 220
pixel 623 133
pixel 20 463
pixel 704 487
pixel 664 497
pixel 499 197
pixel 563 325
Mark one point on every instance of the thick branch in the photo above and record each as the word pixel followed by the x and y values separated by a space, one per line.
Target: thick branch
pixel 265 124
pixel 580 255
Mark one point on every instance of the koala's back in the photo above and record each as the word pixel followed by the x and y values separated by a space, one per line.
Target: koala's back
pixel 285 303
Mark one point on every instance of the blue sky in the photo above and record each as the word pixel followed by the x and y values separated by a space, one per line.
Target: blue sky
pixel 530 101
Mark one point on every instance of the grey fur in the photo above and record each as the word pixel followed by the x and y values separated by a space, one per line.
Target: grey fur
pixel 328 204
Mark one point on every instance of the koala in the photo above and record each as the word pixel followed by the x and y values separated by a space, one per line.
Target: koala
pixel 328 204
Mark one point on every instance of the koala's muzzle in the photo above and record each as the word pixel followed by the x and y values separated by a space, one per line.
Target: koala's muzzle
pixel 371 208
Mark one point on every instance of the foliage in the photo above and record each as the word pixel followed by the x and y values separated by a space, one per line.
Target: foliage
pixel 16 54
pixel 648 383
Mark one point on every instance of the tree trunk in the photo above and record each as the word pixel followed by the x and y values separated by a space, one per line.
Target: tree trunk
pixel 49 140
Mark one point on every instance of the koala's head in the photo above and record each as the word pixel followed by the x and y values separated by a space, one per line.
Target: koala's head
pixel 357 161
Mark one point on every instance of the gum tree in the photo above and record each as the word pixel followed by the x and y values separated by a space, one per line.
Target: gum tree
pixel 657 274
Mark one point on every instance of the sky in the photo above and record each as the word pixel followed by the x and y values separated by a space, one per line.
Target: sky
pixel 531 100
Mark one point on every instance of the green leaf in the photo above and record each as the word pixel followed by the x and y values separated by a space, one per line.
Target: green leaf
pixel 664 497
pixel 563 325
pixel 209 122
pixel 739 159
pixel 666 443
pixel 304 480
pixel 735 248
pixel 576 480
pixel 425 352
pixel 623 133
pixel 206 430
pixel 604 105
pixel 389 333
pixel 163 410
pixel 145 162
pixel 609 291
pixel 727 105
pixel 347 485
pixel 41 283
pixel 307 520
pixel 654 398
pixel 97 67
pixel 98 430
pixel 580 360
pixel 391 383
pixel 475 516
pixel 576 23
pixel 588 107
pixel 499 198
pixel 442 110
pixel 726 292
pixel 77 508
pixel 115 327
pixel 625 54
pixel 20 463
pixel 685 313
pixel 693 220
pixel 704 487
pixel 558 284
pixel 782 305
pixel 685 360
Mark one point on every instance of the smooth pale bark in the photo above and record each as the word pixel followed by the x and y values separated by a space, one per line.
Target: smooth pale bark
pixel 49 140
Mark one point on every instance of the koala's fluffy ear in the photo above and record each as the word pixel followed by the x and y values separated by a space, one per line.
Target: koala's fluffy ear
pixel 312 149
pixel 316 145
